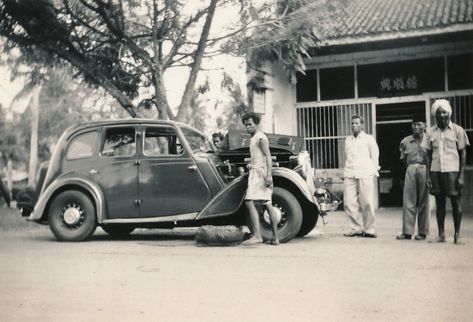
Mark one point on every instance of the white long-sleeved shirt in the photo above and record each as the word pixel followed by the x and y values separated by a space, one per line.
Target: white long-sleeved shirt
pixel 361 156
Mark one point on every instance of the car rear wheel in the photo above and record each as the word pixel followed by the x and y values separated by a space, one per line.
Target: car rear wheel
pixel 289 213
pixel 72 216
pixel 118 231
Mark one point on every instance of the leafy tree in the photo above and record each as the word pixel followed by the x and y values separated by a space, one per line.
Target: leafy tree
pixel 289 35
pixel 237 105
pixel 286 34
pixel 126 46
pixel 122 46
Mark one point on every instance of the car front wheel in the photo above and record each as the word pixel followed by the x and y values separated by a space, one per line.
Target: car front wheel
pixel 308 223
pixel 288 213
pixel 72 216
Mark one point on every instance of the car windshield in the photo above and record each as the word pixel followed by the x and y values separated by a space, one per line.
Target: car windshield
pixel 196 141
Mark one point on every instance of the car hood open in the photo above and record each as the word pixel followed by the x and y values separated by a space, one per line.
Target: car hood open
pixel 239 140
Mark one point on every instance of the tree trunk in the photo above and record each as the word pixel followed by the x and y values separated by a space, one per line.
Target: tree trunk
pixel 184 109
pixel 34 137
pixel 160 99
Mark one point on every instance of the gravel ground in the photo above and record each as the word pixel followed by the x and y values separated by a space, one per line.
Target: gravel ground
pixel 163 276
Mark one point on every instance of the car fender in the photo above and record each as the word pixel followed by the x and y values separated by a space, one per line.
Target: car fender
pixel 230 199
pixel 297 180
pixel 57 185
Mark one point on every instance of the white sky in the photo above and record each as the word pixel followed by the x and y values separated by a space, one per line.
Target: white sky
pixel 8 89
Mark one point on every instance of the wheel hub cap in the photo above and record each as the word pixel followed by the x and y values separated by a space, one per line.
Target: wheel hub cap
pixel 72 216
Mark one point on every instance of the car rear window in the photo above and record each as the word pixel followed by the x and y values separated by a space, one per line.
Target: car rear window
pixel 82 146
pixel 119 142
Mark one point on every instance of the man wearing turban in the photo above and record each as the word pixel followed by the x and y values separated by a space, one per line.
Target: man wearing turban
pixel 446 144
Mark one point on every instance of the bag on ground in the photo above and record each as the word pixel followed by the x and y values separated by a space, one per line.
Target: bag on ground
pixel 221 235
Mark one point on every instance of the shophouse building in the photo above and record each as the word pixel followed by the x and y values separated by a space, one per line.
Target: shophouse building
pixel 386 60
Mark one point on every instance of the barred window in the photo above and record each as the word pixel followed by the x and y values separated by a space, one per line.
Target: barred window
pixel 324 129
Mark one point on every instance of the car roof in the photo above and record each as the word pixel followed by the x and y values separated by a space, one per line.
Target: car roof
pixel 134 121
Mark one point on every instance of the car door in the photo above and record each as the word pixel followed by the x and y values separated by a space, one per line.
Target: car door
pixel 170 181
pixel 116 171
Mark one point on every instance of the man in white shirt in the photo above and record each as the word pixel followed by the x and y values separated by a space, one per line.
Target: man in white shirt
pixel 361 166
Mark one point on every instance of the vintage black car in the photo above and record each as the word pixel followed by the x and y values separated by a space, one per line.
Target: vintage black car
pixel 140 173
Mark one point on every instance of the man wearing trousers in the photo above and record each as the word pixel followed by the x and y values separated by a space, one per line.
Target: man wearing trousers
pixel 361 166
pixel 416 194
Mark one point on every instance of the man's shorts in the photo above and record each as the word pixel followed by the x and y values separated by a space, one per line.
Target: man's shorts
pixel 444 183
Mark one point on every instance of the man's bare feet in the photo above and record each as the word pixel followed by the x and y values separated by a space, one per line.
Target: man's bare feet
pixel 253 241
pixel 272 242
pixel 439 239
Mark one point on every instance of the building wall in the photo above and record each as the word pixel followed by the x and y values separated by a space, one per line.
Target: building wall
pixel 279 111
pixel 285 121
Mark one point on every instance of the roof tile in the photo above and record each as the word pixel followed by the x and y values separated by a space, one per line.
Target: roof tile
pixel 379 17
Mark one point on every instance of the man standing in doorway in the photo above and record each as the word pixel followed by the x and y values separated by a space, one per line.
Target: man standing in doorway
pixel 416 194
pixel 361 166
pixel 446 144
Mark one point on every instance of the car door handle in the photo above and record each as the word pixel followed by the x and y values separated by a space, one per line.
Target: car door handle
pixel 192 167
pixel 93 172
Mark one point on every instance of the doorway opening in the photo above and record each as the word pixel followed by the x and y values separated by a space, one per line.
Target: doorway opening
pixel 393 123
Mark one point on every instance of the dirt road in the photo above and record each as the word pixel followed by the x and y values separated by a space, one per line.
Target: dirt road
pixel 163 276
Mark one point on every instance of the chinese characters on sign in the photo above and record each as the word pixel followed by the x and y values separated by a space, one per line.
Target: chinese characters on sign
pixel 398 84
pixel 410 77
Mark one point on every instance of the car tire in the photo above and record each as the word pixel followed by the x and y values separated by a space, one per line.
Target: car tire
pixel 118 231
pixel 308 223
pixel 291 219
pixel 72 216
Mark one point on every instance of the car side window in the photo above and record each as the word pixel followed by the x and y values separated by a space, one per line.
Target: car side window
pixel 82 146
pixel 161 141
pixel 119 142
